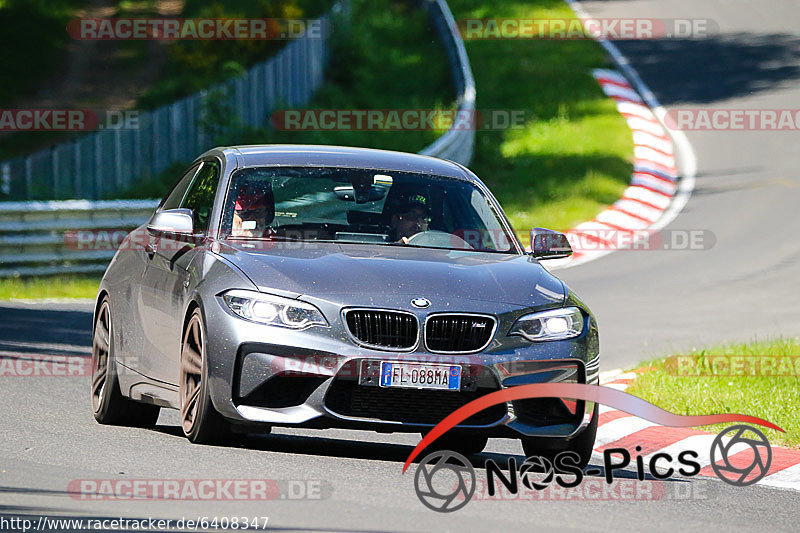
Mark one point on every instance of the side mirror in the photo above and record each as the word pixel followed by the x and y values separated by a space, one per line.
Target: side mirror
pixel 549 244
pixel 178 221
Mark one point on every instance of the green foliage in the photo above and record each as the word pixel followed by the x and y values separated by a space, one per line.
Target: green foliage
pixel 196 64
pixel 217 118
pixel 33 38
pixel 156 187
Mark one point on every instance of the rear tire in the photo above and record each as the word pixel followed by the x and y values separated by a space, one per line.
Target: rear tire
pixel 583 444
pixel 200 422
pixel 463 444
pixel 108 403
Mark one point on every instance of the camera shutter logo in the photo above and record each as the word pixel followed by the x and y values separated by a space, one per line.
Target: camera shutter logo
pixel 455 486
pixel 741 475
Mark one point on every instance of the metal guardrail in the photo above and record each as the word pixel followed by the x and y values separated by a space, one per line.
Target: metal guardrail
pixel 457 143
pixel 32 234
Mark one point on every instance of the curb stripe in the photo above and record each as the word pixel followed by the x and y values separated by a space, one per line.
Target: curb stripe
pixel 650 439
pixel 655 169
pixel 628 431
pixel 782 458
pixel 591 237
pixel 652 184
pixel 646 204
pixel 643 219
pixel 612 415
pixel 650 189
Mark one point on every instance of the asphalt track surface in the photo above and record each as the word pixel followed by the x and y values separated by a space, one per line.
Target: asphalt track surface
pixel 646 302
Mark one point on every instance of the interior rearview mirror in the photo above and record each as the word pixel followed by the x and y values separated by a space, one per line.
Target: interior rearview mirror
pixel 177 221
pixel 549 244
pixel 349 193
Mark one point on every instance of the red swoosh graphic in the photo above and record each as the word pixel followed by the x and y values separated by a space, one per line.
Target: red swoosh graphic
pixel 580 391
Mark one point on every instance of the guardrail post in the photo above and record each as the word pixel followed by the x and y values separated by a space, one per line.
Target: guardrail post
pixel 76 150
pixel 98 165
pixel 5 186
pixel 117 160
pixel 54 170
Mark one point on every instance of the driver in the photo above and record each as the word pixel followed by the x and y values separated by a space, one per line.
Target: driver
pixel 250 213
pixel 411 216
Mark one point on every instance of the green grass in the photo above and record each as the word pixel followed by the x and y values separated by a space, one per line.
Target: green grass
pixel 575 156
pixel 774 398
pixel 61 286
pixel 572 157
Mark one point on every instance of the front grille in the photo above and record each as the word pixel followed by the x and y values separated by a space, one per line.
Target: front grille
pixel 409 406
pixel 458 333
pixel 382 329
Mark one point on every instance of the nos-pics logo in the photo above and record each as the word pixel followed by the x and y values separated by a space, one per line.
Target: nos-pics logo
pixel 445 481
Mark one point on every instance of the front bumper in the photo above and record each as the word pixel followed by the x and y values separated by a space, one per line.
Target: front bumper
pixel 319 378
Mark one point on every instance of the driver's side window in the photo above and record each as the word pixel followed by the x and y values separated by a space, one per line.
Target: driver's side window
pixel 175 197
pixel 200 197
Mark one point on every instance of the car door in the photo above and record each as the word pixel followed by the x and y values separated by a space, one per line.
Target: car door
pixel 166 277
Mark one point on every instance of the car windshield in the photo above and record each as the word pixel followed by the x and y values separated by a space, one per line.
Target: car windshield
pixel 347 205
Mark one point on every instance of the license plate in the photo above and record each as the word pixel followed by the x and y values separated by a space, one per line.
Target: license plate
pixel 421 376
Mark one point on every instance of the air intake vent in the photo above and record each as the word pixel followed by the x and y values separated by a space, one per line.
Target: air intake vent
pixel 409 406
pixel 392 330
pixel 458 333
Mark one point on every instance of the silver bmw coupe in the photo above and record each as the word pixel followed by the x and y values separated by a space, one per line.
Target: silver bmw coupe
pixel 335 287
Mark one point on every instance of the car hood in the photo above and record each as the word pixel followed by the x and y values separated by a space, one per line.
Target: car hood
pixel 329 269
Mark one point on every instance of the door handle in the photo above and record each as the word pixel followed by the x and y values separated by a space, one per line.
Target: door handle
pixel 150 250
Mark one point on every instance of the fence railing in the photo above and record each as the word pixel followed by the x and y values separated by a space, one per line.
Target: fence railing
pixel 32 234
pixel 457 143
pixel 99 164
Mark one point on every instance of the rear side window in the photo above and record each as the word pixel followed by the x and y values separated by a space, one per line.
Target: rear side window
pixel 200 197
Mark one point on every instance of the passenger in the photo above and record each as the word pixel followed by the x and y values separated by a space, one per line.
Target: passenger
pixel 252 214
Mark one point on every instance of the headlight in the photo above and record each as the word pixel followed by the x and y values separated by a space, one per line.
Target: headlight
pixel 273 310
pixel 550 325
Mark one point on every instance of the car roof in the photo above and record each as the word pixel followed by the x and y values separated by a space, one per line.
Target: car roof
pixel 339 156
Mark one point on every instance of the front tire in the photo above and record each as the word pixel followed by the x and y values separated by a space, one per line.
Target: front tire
pixel 200 422
pixel 108 403
pixel 583 444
